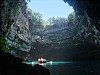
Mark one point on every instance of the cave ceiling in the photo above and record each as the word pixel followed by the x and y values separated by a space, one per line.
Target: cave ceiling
pixel 91 7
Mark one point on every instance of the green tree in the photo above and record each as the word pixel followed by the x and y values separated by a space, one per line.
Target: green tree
pixel 35 20
pixel 3 44
pixel 57 21
pixel 72 19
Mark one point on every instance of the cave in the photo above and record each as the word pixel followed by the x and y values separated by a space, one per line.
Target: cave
pixel 91 7
pixel 84 62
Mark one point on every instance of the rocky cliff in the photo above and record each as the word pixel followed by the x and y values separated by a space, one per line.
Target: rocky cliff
pixel 75 42
pixel 91 7
pixel 14 26
pixel 80 41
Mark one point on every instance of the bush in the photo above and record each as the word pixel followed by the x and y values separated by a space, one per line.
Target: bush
pixel 3 44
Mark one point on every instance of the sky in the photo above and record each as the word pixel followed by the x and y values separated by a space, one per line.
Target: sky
pixel 50 8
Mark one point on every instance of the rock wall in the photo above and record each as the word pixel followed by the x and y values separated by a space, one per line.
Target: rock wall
pixel 8 10
pixel 19 35
pixel 91 7
pixel 80 41
pixel 14 25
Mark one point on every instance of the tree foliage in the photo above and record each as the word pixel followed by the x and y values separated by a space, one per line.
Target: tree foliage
pixel 57 21
pixel 35 20
pixel 71 20
pixel 3 44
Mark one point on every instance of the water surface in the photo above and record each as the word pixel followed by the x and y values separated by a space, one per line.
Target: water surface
pixel 71 68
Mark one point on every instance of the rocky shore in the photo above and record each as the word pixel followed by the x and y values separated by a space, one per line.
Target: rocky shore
pixel 11 65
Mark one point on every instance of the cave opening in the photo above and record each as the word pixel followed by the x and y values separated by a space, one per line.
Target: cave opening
pixel 48 31
pixel 67 44
pixel 69 39
pixel 61 37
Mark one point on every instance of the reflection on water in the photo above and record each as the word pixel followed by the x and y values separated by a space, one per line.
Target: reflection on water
pixel 71 68
pixel 48 63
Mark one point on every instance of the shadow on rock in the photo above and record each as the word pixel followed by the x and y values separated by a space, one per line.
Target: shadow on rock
pixel 40 70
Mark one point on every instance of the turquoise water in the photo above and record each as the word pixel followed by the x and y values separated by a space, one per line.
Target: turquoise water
pixel 71 68
pixel 48 63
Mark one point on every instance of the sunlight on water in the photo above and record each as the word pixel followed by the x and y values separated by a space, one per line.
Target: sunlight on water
pixel 47 63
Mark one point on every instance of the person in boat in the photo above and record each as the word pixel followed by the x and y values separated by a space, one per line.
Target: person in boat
pixel 41 60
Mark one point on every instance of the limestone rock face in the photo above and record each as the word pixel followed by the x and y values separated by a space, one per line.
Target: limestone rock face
pixel 19 35
pixel 80 41
pixel 92 8
pixel 14 25
pixel 6 15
